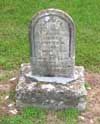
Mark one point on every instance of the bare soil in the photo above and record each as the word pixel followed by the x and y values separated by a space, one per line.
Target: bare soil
pixel 92 113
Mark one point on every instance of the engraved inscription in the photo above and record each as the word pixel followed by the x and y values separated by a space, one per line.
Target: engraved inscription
pixel 52 43
pixel 51 46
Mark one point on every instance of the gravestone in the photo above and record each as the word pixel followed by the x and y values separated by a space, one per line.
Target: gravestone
pixel 51 80
pixel 52 44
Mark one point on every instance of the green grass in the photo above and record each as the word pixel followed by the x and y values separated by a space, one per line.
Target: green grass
pixel 69 116
pixel 28 116
pixel 87 85
pixel 15 16
pixel 6 75
pixel 38 116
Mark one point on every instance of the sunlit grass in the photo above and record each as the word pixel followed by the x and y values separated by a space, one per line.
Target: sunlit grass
pixel 15 17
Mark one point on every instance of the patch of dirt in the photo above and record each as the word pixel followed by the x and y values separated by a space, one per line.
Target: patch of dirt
pixel 7 89
pixel 4 87
pixel 92 114
pixel 8 86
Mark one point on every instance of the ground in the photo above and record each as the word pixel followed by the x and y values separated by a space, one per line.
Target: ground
pixel 14 49
pixel 90 116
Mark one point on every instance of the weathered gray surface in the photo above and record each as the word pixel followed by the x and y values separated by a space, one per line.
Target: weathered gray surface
pixel 52 80
pixel 50 95
pixel 58 80
pixel 52 44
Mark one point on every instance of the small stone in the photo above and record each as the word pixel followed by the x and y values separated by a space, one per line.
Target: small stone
pixel 11 105
pixel 81 118
pixel 7 97
pixel 14 111
pixel 91 121
pixel 89 88
pixel 12 79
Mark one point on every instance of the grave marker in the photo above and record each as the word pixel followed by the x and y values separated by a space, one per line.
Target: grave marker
pixel 52 44
pixel 51 80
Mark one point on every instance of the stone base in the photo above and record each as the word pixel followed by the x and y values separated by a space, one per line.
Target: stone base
pixel 51 95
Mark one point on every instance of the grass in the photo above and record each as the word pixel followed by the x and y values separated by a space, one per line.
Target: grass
pixel 28 116
pixel 6 74
pixel 87 85
pixel 70 116
pixel 32 115
pixel 15 16
pixel 14 20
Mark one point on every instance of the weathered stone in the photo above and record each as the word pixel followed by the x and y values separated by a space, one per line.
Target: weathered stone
pixel 27 69
pixel 52 80
pixel 52 44
pixel 50 95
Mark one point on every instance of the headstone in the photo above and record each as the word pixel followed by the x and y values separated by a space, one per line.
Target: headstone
pixel 51 80
pixel 52 44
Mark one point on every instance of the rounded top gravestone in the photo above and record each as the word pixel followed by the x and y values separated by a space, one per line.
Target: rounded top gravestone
pixel 52 42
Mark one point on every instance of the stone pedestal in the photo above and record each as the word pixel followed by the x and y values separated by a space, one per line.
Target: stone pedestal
pixel 52 95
